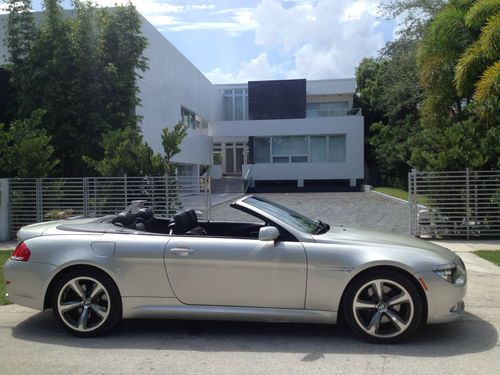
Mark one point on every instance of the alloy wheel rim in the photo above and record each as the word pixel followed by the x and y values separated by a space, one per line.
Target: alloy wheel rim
pixel 383 308
pixel 83 304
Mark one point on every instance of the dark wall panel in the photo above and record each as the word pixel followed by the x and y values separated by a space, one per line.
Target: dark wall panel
pixel 269 100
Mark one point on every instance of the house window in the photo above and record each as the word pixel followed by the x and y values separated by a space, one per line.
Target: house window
pixel 235 104
pixel 336 148
pixel 217 153
pixel 317 152
pixel 293 149
pixel 262 150
pixel 192 120
pixel 327 109
pixel 300 149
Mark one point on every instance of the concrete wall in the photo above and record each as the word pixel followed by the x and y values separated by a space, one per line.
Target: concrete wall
pixel 171 82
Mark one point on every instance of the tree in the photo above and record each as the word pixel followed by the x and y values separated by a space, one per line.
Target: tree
pixel 82 70
pixel 125 153
pixel 457 131
pixel 25 148
pixel 19 35
pixel 171 141
pixel 120 57
pixel 479 66
pixel 390 99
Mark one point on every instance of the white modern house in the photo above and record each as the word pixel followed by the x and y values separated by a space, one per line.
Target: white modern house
pixel 290 133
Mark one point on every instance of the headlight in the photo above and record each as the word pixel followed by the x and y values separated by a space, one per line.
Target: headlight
pixel 452 273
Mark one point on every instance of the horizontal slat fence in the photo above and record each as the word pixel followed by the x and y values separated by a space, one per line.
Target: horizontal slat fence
pixel 40 199
pixel 462 204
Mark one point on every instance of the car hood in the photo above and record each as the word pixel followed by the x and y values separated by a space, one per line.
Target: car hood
pixel 339 234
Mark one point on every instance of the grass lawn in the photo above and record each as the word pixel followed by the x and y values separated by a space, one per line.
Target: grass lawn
pixel 492 255
pixel 4 255
pixel 401 194
pixel 393 192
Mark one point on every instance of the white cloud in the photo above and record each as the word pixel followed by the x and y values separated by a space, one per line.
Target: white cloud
pixel 320 39
pixel 256 69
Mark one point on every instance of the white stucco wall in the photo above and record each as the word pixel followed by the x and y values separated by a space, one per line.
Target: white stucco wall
pixel 173 81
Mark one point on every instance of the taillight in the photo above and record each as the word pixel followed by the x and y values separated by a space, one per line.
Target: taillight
pixel 22 253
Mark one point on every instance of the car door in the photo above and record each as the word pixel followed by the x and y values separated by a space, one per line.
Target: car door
pixel 237 272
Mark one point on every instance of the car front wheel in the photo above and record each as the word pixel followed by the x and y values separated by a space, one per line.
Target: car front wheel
pixel 87 303
pixel 383 307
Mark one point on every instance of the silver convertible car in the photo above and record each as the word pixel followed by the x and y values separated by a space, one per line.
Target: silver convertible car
pixel 283 267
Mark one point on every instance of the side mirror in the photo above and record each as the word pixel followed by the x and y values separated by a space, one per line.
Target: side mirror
pixel 268 233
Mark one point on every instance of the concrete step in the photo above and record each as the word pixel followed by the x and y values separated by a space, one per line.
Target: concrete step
pixel 228 185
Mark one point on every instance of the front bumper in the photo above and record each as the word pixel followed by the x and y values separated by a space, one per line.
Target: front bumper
pixel 28 282
pixel 444 299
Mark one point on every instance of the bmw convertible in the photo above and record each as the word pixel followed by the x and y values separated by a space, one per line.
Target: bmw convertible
pixel 278 267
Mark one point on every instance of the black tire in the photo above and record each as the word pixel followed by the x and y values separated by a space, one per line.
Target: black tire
pixel 80 312
pixel 390 320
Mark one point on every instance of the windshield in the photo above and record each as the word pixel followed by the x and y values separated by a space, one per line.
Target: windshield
pixel 292 218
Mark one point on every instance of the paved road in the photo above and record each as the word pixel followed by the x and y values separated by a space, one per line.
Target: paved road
pixel 32 341
pixel 357 210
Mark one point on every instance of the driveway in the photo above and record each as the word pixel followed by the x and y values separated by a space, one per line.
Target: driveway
pixel 32 340
pixel 357 210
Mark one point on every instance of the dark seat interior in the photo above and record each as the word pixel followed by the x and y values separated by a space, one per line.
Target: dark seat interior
pixel 186 222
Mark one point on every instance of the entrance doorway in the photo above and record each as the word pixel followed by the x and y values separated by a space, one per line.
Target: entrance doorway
pixel 234 155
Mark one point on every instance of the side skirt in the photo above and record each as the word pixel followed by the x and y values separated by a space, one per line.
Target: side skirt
pixel 171 308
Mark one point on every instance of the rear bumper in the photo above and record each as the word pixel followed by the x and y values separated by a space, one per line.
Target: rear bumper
pixel 28 282
pixel 444 299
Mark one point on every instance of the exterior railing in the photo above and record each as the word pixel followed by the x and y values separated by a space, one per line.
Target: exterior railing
pixel 333 112
pixel 34 200
pixel 455 204
pixel 247 179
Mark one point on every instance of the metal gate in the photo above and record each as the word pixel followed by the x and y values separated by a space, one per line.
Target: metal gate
pixel 462 204
pixel 40 199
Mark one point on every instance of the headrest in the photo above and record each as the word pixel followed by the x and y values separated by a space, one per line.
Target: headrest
pixel 125 218
pixel 145 214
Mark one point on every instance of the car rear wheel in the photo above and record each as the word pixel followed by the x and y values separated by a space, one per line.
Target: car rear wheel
pixel 383 307
pixel 86 303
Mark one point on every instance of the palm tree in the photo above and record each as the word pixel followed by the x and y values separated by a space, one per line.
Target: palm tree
pixel 478 69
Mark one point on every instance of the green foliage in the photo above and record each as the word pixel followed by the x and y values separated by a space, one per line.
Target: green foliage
pixel 120 48
pixel 481 56
pixel 450 121
pixel 171 140
pixel 390 98
pixel 125 153
pixel 82 70
pixel 4 255
pixel 25 148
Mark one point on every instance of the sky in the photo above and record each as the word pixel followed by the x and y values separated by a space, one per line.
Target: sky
pixel 242 40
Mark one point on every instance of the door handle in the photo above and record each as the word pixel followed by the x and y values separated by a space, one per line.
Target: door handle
pixel 181 251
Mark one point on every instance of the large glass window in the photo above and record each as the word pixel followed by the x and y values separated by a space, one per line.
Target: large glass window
pixel 337 148
pixel 290 149
pixel 228 108
pixel 235 104
pixel 262 150
pixel 238 107
pixel 327 109
pixel 318 149
pixel 300 149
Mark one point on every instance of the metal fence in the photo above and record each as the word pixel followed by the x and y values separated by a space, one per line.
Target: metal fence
pixel 40 199
pixel 463 204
